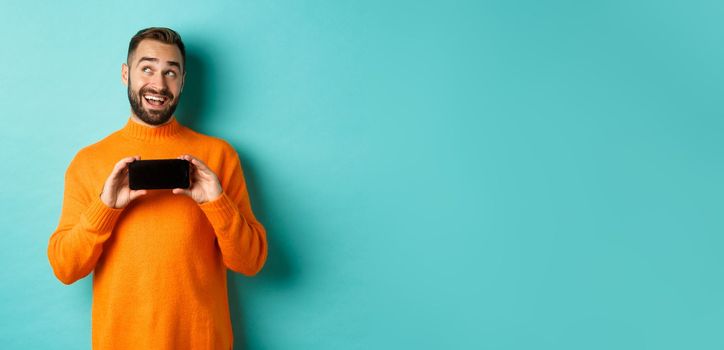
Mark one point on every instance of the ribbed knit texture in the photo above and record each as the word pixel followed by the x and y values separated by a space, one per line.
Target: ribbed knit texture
pixel 159 265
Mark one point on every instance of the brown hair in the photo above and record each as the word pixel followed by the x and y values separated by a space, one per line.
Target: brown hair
pixel 164 35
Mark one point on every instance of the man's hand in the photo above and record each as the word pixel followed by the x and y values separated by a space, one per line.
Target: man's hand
pixel 116 193
pixel 205 185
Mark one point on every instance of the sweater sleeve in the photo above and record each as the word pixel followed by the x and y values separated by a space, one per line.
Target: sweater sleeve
pixel 85 224
pixel 241 238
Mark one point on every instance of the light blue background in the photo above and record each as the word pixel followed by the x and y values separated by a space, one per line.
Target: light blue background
pixel 432 174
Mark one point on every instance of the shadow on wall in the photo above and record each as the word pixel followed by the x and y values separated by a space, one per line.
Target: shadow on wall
pixel 195 110
pixel 193 102
pixel 277 272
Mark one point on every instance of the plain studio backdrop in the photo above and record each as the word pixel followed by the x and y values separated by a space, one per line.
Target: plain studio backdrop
pixel 432 174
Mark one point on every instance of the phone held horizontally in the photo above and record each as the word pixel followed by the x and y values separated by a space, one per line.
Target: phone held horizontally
pixel 156 174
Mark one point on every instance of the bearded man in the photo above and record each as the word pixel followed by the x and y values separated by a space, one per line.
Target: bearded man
pixel 159 256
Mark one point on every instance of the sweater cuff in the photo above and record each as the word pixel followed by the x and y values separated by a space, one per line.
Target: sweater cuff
pixel 220 210
pixel 99 217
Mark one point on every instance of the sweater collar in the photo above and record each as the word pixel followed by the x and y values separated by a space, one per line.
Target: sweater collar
pixel 142 132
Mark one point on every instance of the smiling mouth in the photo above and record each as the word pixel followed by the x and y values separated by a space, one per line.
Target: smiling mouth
pixel 156 100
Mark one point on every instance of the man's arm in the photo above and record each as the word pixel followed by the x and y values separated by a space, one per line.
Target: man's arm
pixel 241 238
pixel 87 220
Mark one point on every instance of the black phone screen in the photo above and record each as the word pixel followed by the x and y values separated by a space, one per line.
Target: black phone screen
pixel 158 174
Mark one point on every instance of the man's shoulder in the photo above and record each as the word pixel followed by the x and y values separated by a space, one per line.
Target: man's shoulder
pixel 86 155
pixel 215 151
pixel 214 143
pixel 98 147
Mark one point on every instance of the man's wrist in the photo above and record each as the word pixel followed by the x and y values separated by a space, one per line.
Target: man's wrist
pixel 213 198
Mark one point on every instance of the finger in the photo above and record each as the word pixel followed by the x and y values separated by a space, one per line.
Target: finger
pixel 127 160
pixel 123 164
pixel 194 176
pixel 199 170
pixel 200 165
pixel 181 191
pixel 192 168
pixel 197 162
pixel 189 159
pixel 137 193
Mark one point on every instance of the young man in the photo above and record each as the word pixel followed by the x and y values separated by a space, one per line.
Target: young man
pixel 159 257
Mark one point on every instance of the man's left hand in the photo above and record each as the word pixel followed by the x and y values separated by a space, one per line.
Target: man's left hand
pixel 205 185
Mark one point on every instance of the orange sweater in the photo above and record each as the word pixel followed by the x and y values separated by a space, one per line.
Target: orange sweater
pixel 159 265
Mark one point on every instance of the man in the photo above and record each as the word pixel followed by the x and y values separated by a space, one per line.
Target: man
pixel 159 257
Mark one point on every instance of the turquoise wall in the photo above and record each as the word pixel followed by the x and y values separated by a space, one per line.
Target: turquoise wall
pixel 432 174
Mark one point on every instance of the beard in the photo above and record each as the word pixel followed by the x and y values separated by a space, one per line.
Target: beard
pixel 152 117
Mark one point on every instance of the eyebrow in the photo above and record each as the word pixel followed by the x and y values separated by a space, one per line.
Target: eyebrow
pixel 153 59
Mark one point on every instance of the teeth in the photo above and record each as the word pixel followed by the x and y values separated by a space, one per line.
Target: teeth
pixel 148 97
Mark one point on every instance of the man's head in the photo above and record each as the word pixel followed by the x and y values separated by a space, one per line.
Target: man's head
pixel 154 73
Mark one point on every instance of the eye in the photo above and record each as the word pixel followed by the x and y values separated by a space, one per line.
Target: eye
pixel 146 69
pixel 171 73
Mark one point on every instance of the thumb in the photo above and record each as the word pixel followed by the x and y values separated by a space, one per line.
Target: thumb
pixel 137 193
pixel 181 191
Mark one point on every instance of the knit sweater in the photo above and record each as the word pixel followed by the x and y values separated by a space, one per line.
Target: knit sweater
pixel 159 264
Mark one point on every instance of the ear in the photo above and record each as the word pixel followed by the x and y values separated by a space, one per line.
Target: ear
pixel 124 74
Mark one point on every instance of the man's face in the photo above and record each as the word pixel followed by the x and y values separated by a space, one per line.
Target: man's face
pixel 155 80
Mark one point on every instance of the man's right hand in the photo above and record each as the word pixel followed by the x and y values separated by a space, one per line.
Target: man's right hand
pixel 116 193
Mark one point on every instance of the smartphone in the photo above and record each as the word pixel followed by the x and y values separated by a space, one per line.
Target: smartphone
pixel 155 174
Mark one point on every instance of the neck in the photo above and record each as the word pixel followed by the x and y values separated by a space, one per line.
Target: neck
pixel 137 129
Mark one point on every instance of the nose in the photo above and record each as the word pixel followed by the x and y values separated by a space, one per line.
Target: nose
pixel 159 81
